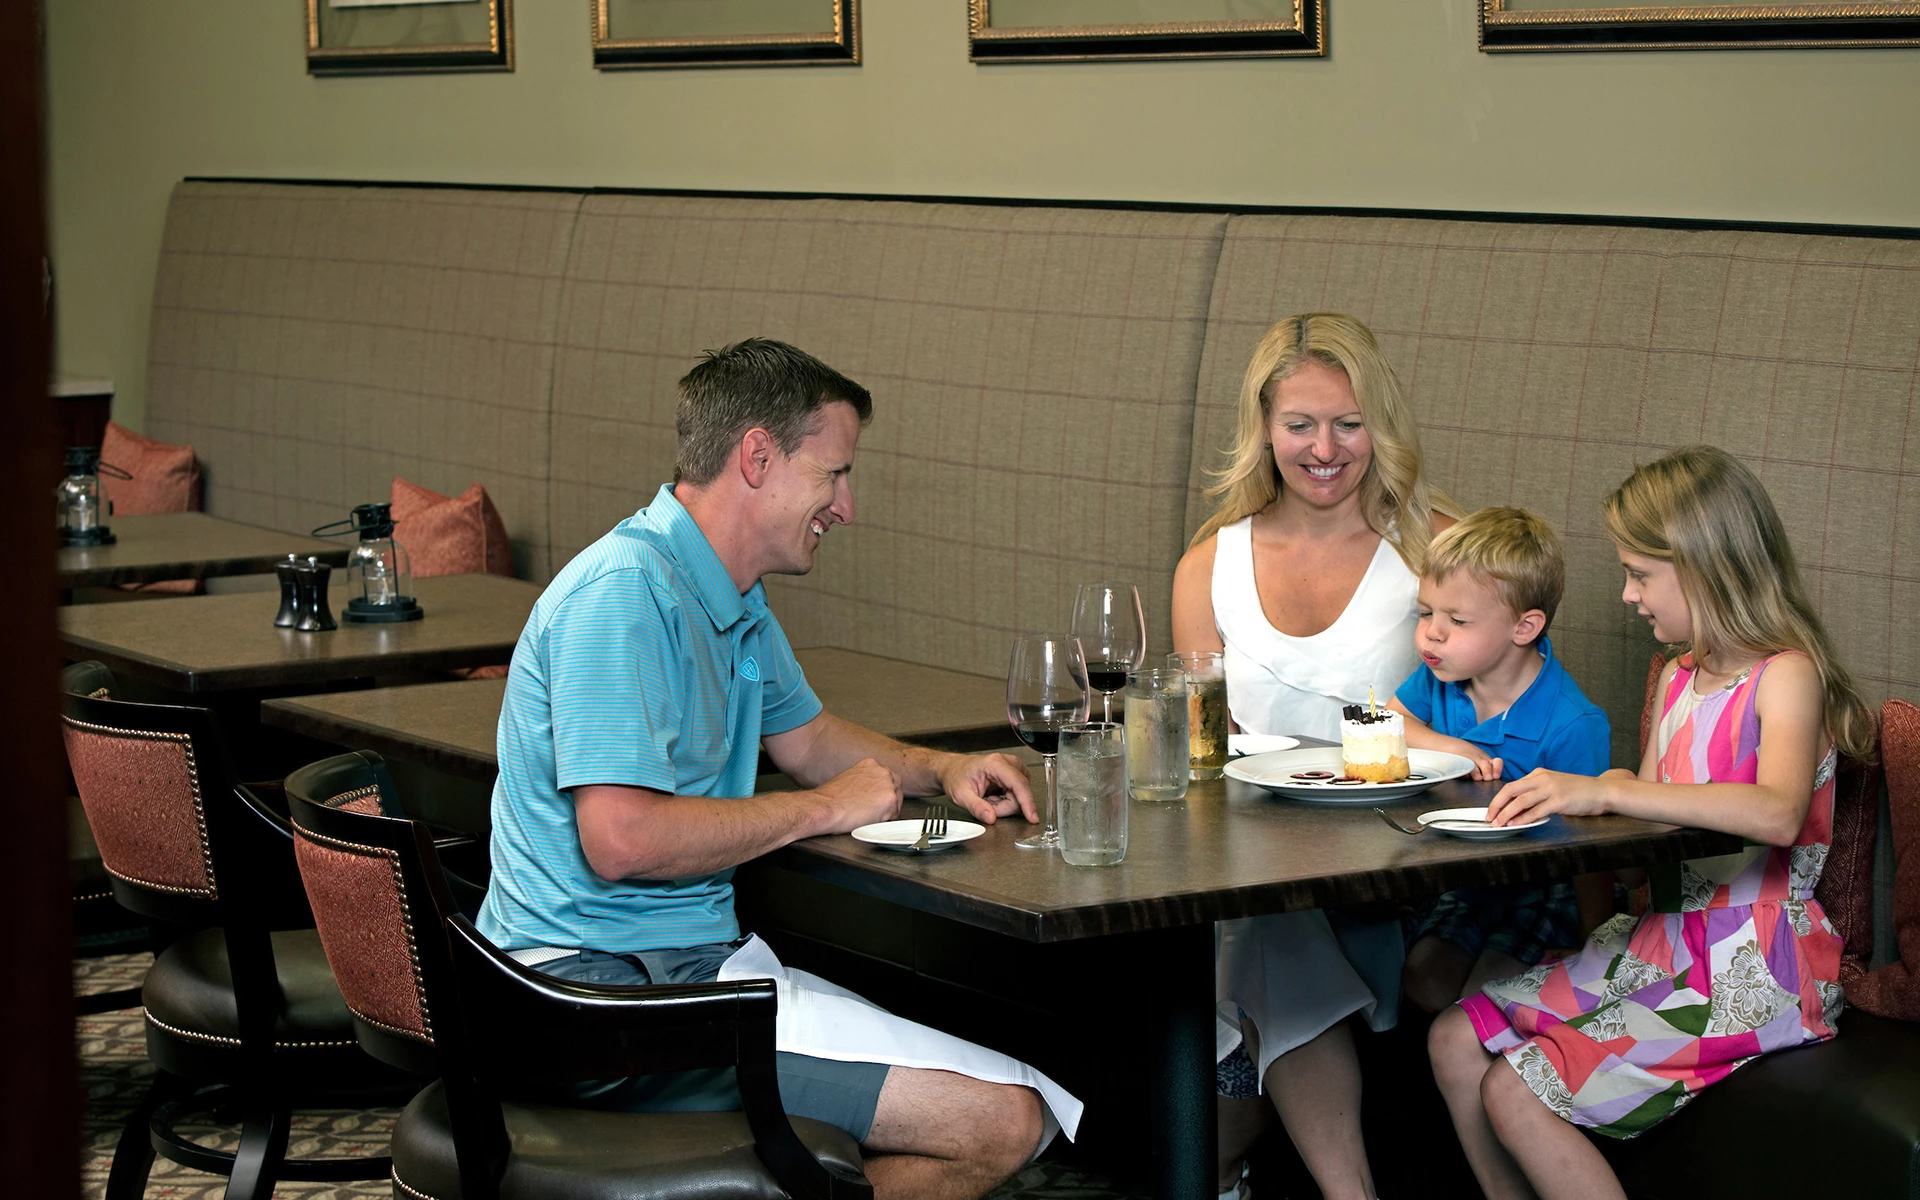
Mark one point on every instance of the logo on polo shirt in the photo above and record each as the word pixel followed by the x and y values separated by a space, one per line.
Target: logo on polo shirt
pixel 750 669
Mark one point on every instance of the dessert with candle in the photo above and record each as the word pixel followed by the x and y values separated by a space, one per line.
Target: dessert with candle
pixel 1373 744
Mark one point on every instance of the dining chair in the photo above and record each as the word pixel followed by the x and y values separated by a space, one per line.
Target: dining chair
pixel 429 994
pixel 240 1002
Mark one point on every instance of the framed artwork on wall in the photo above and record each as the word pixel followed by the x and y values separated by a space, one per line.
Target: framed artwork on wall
pixel 725 33
pixel 1067 30
pixel 1595 25
pixel 392 37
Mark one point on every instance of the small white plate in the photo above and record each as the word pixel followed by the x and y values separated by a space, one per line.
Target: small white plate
pixel 1471 824
pixel 1281 772
pixel 1259 743
pixel 901 835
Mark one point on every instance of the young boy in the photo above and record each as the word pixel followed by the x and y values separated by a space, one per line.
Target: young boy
pixel 1488 688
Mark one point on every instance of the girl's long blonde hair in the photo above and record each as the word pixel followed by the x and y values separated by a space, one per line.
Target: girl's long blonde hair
pixel 1702 510
pixel 1394 495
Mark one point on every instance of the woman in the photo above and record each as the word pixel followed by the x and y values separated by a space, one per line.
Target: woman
pixel 1307 577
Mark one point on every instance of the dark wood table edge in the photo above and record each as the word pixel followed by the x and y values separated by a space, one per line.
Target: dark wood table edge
pixel 329 671
pixel 1000 914
pixel 284 712
pixel 257 564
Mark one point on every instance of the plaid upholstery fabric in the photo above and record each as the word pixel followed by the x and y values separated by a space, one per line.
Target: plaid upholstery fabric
pixel 1545 361
pixel 313 343
pixel 1032 372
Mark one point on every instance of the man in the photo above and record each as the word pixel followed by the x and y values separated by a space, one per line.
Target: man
pixel 643 687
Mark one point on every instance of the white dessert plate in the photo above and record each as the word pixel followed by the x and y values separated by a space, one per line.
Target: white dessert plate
pixel 1471 824
pixel 1239 744
pixel 1309 774
pixel 901 835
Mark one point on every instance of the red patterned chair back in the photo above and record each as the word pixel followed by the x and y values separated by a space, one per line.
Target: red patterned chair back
pixel 164 807
pixel 379 901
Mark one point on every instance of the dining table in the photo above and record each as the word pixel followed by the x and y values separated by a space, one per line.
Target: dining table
pixel 1228 849
pixel 451 726
pixel 201 645
pixel 186 545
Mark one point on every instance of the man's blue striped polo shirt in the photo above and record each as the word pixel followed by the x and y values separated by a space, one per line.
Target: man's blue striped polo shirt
pixel 641 665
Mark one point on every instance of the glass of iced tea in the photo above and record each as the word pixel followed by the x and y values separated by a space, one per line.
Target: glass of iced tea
pixel 1206 673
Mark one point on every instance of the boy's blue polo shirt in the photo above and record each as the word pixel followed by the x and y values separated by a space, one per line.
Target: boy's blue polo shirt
pixel 641 665
pixel 1551 725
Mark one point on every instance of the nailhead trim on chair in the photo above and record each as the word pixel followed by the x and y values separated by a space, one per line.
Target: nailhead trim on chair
pixel 406 915
pixel 411 1191
pixel 212 890
pixel 227 1041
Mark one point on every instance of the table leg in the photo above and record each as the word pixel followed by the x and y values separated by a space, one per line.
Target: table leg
pixel 1185 1123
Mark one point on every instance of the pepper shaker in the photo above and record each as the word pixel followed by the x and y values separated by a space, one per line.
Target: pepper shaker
pixel 289 614
pixel 315 614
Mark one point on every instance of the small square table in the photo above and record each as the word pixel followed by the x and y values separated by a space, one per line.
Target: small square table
pixel 186 545
pixel 213 644
pixel 451 726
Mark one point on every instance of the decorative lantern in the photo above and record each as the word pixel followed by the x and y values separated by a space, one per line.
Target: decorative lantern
pixel 77 503
pixel 379 577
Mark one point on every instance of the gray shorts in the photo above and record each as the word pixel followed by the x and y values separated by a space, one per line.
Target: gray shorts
pixel 841 1094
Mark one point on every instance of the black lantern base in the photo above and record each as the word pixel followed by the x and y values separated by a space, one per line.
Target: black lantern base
pixel 99 535
pixel 364 612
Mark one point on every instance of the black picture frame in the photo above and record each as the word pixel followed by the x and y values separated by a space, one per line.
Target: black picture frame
pixel 495 53
pixel 1597 26
pixel 1304 36
pixel 839 46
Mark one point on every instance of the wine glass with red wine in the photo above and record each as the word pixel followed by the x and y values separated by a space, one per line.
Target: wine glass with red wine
pixel 1046 688
pixel 1112 629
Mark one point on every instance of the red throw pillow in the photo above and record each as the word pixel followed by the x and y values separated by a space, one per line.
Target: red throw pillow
pixel 166 479
pixel 1894 990
pixel 458 535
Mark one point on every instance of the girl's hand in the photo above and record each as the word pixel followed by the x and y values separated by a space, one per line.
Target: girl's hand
pixel 1542 792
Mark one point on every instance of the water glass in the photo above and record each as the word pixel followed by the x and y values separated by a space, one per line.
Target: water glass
pixel 1093 793
pixel 1158 749
pixel 1206 672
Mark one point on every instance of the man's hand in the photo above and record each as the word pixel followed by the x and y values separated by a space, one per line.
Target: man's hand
pixel 860 795
pixel 988 786
pixel 1541 792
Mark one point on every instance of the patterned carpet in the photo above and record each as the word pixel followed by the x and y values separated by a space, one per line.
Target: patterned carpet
pixel 114 1072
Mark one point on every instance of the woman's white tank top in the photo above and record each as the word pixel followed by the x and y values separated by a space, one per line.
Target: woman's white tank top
pixel 1282 684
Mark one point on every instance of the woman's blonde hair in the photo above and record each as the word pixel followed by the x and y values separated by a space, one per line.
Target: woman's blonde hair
pixel 1702 510
pixel 1394 495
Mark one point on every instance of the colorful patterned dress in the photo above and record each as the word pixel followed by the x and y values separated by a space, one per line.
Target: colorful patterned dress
pixel 1734 958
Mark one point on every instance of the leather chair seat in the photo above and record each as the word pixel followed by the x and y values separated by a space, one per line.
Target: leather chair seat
pixel 1856 1099
pixel 192 1019
pixel 593 1154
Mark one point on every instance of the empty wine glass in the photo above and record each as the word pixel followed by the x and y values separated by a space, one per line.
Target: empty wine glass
pixel 1112 629
pixel 1046 688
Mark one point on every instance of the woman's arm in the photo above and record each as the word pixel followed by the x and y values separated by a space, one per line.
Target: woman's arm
pixel 1770 810
pixel 1193 627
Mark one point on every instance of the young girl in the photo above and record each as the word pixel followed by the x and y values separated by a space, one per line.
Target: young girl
pixel 1735 957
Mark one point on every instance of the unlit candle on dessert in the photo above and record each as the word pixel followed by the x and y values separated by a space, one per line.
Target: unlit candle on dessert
pixel 1373 745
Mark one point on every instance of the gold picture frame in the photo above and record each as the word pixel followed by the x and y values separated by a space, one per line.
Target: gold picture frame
pixel 1596 26
pixel 409 37
pixel 1301 35
pixel 760 44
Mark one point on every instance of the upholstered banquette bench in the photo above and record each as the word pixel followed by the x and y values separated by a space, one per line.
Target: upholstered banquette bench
pixel 1052 387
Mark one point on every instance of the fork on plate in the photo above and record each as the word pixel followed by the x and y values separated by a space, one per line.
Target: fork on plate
pixel 933 825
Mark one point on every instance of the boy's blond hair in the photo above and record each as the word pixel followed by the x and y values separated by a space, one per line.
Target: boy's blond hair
pixel 1510 548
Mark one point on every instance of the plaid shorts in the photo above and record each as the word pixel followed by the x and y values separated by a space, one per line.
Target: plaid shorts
pixel 1234 1076
pixel 1523 921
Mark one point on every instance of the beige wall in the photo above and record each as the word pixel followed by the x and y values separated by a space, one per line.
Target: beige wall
pixel 1406 113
